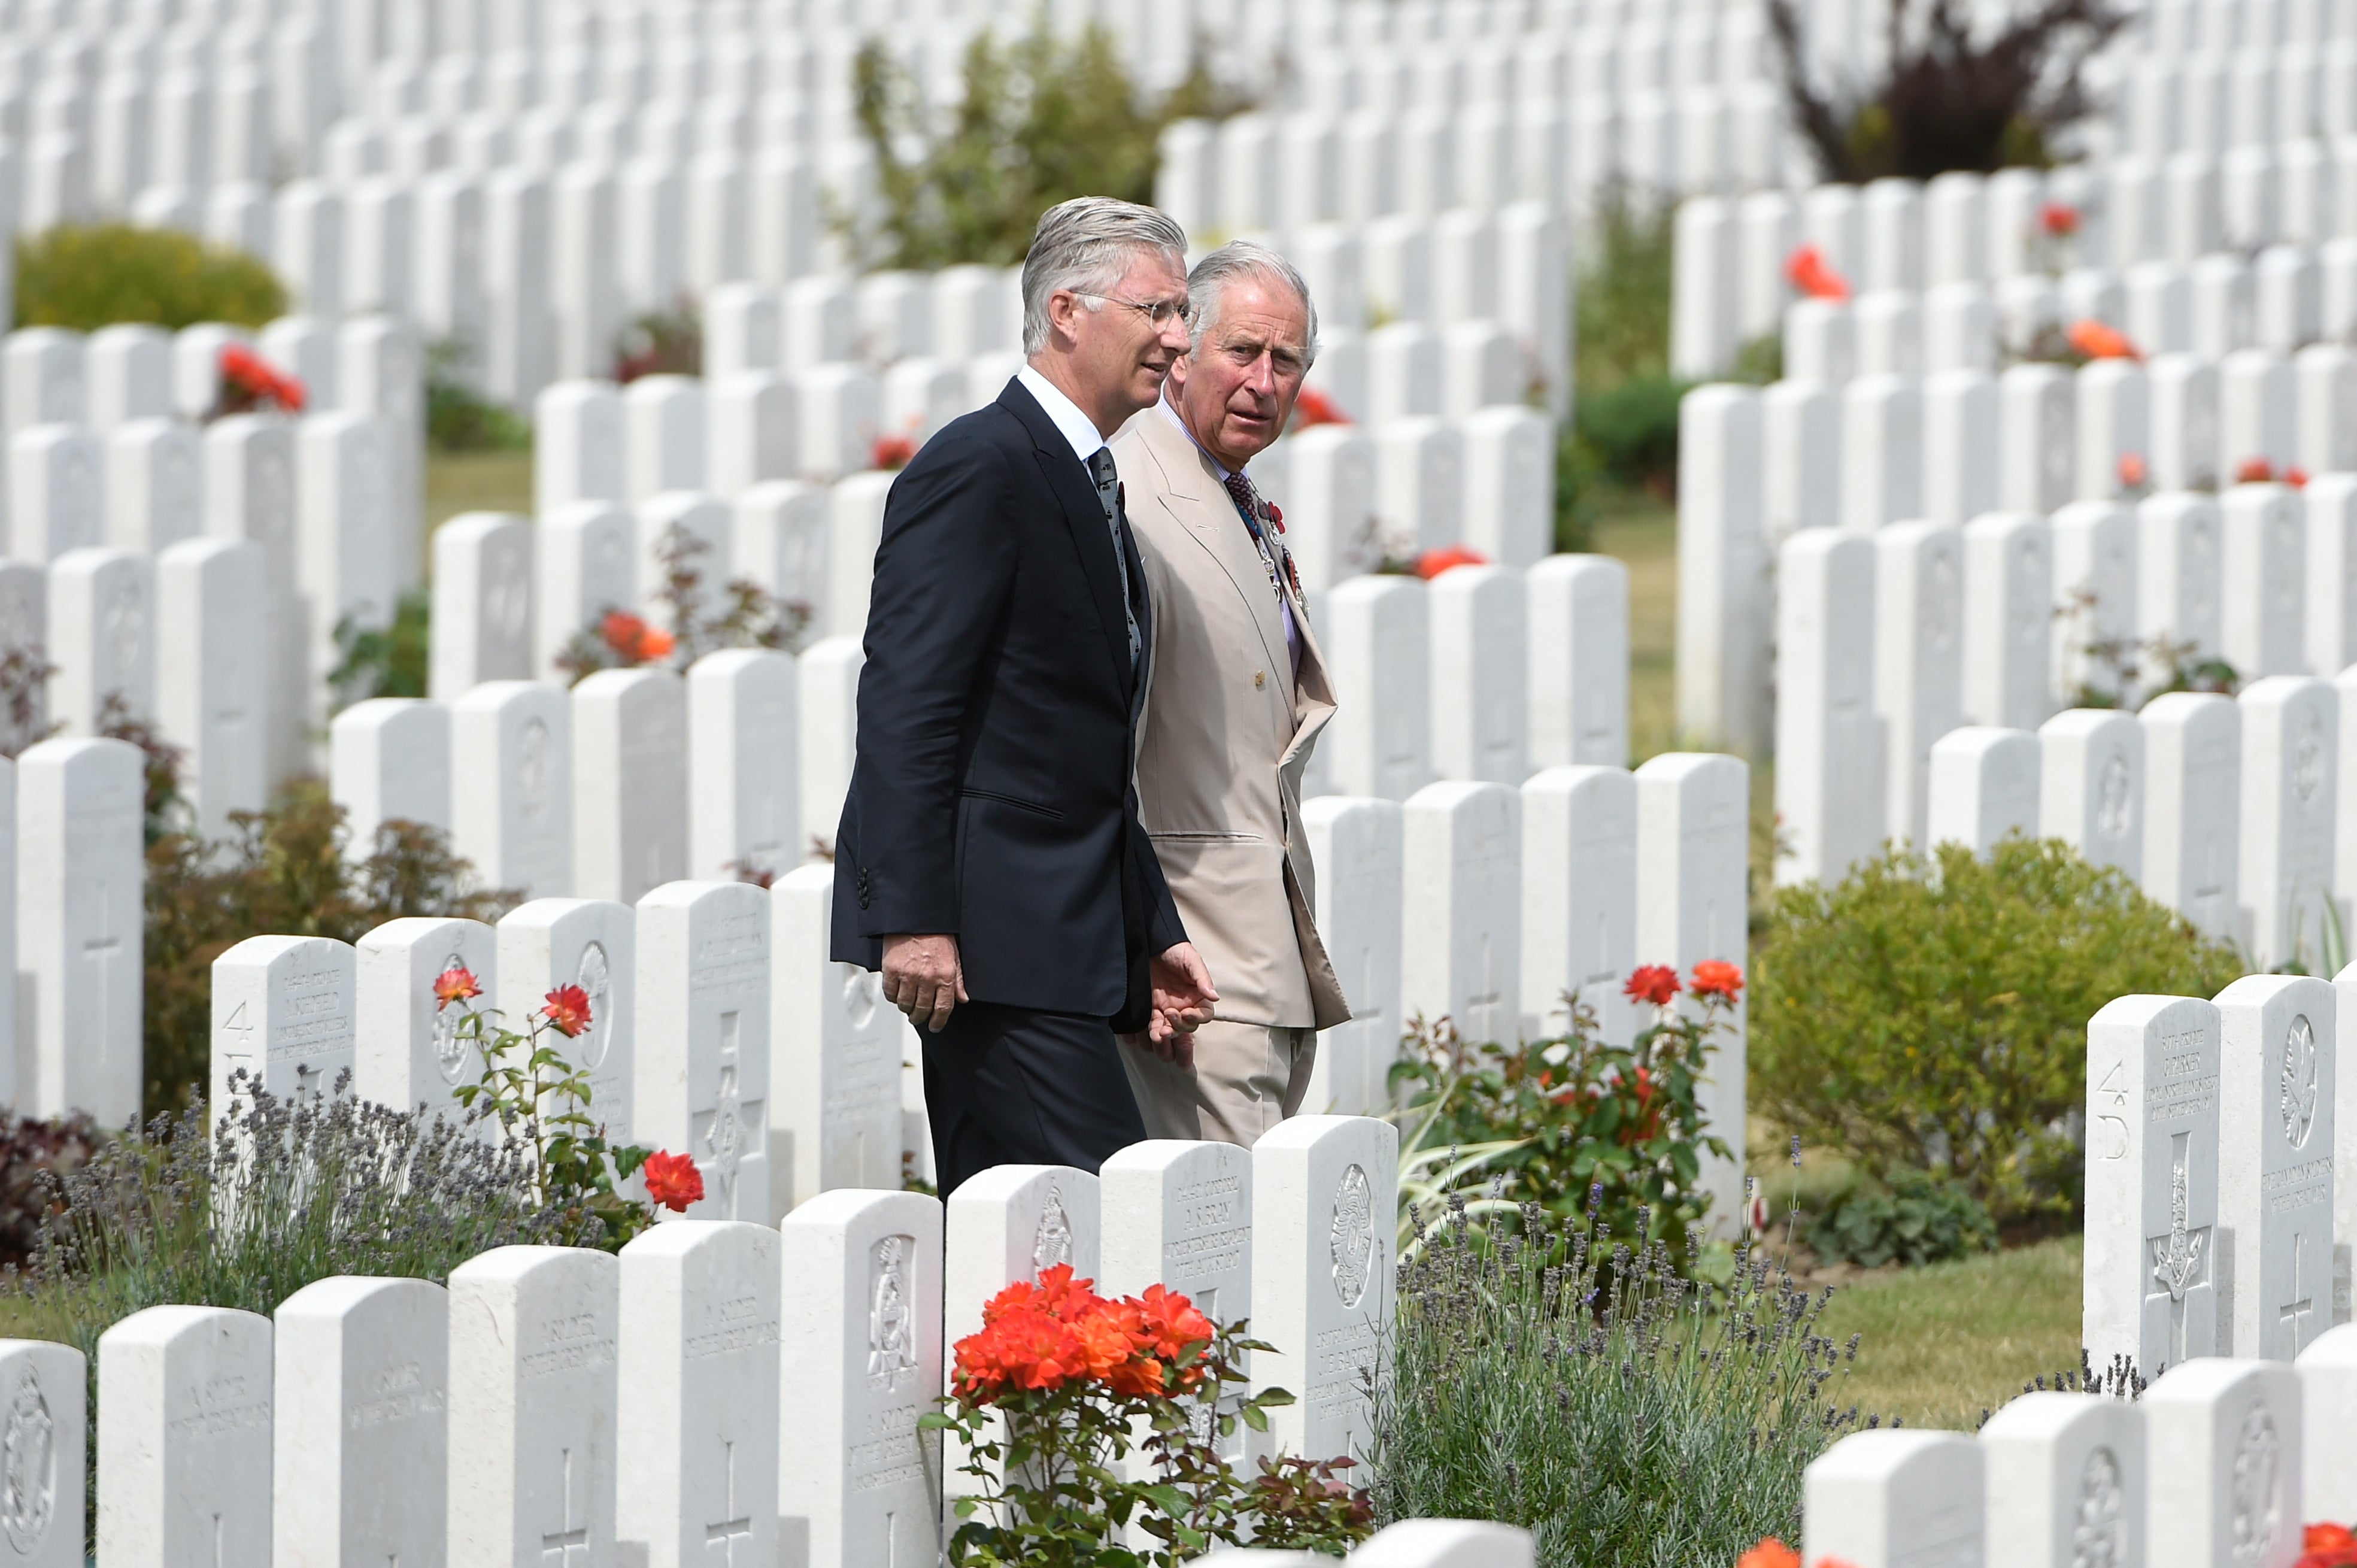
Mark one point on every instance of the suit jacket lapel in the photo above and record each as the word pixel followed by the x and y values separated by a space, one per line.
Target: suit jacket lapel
pixel 1076 494
pixel 1211 518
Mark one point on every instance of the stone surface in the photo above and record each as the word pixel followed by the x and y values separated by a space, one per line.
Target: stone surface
pixel 1480 664
pixel 282 1009
pixel 1828 746
pixel 591 943
pixel 81 866
pixel 1918 674
pixel 2327 1397
pixel 2193 837
pixel 407 1050
pixel 102 639
pixel 1460 943
pixel 482 602
pixel 212 695
pixel 2092 785
pixel 1355 845
pixel 2226 1437
pixel 534 1448
pixel 826 696
pixel 2276 1114
pixel 389 760
pixel 2331 575
pixel 43 1450
pixel 1724 625
pixel 1886 1498
pixel 586 565
pixel 1445 1543
pixel 702 1066
pixel 629 782
pixel 1578 621
pixel 184 1395
pixel 2180 566
pixel 360 1461
pixel 1178 1213
pixel 2094 598
pixel 511 801
pixel 743 808
pixel 2290 737
pixel 1579 899
pixel 1379 741
pixel 2066 1481
pixel 2008 561
pixel 835 1110
pixel 2263 604
pixel 1985 784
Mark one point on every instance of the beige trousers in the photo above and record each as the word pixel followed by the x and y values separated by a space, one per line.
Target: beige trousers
pixel 1246 1078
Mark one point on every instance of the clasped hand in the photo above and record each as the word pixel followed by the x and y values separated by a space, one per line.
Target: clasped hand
pixel 923 978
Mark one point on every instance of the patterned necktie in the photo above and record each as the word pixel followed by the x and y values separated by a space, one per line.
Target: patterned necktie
pixel 1247 501
pixel 1108 483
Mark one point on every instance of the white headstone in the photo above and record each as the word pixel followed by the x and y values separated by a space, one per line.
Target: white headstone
pixel 2184 430
pixel 663 438
pixel 855 527
pixel 1801 463
pixel 407 1050
pixel 2331 571
pixel 534 1447
pixel 1324 1197
pixel 1178 1213
pixel 2008 619
pixel 57 491
pixel 1380 739
pixel 2095 597
pixel 283 1013
pixel 1329 510
pixel 836 1052
pixel 249 495
pixel 2066 1485
pixel 2263 626
pixel 1445 1543
pixel 482 602
pixel 778 538
pixel 360 1460
pixel 389 760
pixel 1420 492
pixel 591 943
pixel 1355 843
pixel 41 377
pixel 2036 441
pixel 1984 783
pixel 630 781
pixel 699 1374
pixel 1918 662
pixel 1960 441
pixel 840 405
pixel 1724 626
pixel 102 639
pixel 2112 420
pixel 862 1350
pixel 827 697
pixel 2223 1442
pixel 578 448
pixel 1882 451
pixel 1460 945
pixel 1882 1498
pixel 2278 1069
pixel 1579 899
pixel 2090 785
pixel 1829 763
pixel 1480 666
pixel 2192 807
pixel 753 429
pixel 46 1390
pixel 129 369
pixel 511 791
pixel 743 809
pixel 2154 1274
pixel 154 485
pixel 81 866
pixel 703 1038
pixel 587 563
pixel 184 1397
pixel 2290 741
pixel 1578 627
pixel 343 556
pixel 1509 479
pixel 2181 569
pixel 2327 1397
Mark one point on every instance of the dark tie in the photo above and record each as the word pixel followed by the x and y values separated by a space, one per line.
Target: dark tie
pixel 1108 483
pixel 1247 501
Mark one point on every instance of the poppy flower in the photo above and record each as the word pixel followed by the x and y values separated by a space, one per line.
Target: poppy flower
pixel 2059 220
pixel 2134 473
pixel 567 1010
pixel 1433 563
pixel 1814 275
pixel 1654 982
pixel 2101 341
pixel 2255 471
pixel 255 380
pixel 1716 977
pixel 673 1180
pixel 456 983
pixel 891 452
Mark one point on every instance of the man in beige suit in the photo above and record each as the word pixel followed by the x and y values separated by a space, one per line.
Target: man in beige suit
pixel 1235 700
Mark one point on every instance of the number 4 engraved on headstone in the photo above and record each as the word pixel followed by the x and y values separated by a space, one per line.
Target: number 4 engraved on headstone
pixel 2179 1260
pixel 2294 1313
pixel 557 1547
pixel 725 1533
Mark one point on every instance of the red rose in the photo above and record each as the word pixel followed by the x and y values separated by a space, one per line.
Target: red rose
pixel 1814 275
pixel 673 1180
pixel 2059 221
pixel 1654 982
pixel 2255 471
pixel 456 983
pixel 567 1010
pixel 1715 977
pixel 1433 563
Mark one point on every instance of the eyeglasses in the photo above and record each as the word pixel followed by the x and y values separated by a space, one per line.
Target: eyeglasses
pixel 1157 311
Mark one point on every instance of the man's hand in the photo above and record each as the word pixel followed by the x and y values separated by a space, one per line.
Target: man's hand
pixel 1183 994
pixel 923 979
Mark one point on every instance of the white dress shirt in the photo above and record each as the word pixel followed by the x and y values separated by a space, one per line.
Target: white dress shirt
pixel 1077 427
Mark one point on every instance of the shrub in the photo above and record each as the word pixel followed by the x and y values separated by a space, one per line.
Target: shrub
pixel 1950 100
pixel 1043 119
pixel 31 1149
pixel 390 660
pixel 89 277
pixel 1625 412
pixel 1930 1014
pixel 747 615
pixel 1633 432
pixel 668 342
pixel 457 417
pixel 1918 1219
pixel 286 871
pixel 1566 1378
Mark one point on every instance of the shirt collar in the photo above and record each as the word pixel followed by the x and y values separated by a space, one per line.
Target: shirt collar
pixel 1171 415
pixel 1064 414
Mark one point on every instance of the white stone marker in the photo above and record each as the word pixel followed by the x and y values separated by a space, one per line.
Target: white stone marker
pixel 2154 1272
pixel 1828 746
pixel 343 552
pixel 586 565
pixel 2035 438
pixel 102 638
pixel 1885 1498
pixel 184 1396
pixel 679 520
pixel 57 491
pixel 1380 739
pixel 1178 1213
pixel 1801 444
pixel 2263 628
pixel 1693 814
pixel 249 495
pixel 1509 479
pixel 1445 1543
pixel 533 1445
pixel 2192 807
pixel 2090 785
pixel 862 1350
pixel 1355 845
pixel 591 943
pixel 2278 1066
pixel 482 602
pixel 2065 1477
pixel 1461 944
pixel 1960 463
pixel 360 1460
pixel 1984 783
pixel 46 1388
pixel 1882 451
pixel 512 775
pixel 406 1048
pixel 282 1011
pixel 2345 1150
pixel 212 691
pixel 702 1039
pixel 743 809
pixel 629 782
pixel 827 697
pixel 2290 738
pixel 778 538
pixel 154 485
pixel 80 870
pixel 855 527
pixel 1324 1196
pixel 1918 662
pixel 1579 899
pixel 834 1106
pixel 2008 621
pixel 2330 500
pixel 1723 619
pixel 579 448
pixel 389 760
pixel 699 1374
pixel 1479 663
pixel 2094 595
pixel 2223 1446
pixel 1577 621
pixel 2184 431
pixel 2112 417
pixel 2327 1397
pixel 2181 569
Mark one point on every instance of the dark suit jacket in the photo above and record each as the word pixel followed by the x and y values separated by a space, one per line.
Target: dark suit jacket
pixel 993 795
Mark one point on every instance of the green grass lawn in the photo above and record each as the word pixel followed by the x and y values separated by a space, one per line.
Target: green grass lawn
pixel 476 482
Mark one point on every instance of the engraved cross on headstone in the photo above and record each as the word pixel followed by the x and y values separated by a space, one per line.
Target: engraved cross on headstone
pixel 2181 1259
pixel 725 1533
pixel 2294 1313
pixel 557 1546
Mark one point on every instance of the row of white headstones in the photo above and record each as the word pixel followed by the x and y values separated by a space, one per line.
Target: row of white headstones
pixel 721 1392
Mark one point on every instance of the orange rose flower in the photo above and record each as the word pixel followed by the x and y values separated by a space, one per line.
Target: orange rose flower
pixel 1770 1553
pixel 567 1010
pixel 2133 471
pixel 2255 471
pixel 1654 982
pixel 2297 477
pixel 673 1181
pixel 2059 221
pixel 1433 563
pixel 1715 977
pixel 1814 275
pixel 456 983
pixel 2099 340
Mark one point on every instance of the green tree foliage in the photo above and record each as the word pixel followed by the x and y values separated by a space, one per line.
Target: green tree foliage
pixel 1043 118
pixel 1931 1014
pixel 1956 96
pixel 1625 415
pixel 89 278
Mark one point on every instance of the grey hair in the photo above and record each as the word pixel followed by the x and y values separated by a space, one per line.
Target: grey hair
pixel 1085 244
pixel 1208 283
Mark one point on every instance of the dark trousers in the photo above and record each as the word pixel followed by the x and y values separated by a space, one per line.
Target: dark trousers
pixel 1009 1086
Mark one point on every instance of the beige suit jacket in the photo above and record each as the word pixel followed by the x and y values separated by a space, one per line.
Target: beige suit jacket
pixel 1226 736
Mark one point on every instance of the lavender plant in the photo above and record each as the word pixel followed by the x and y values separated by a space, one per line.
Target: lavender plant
pixel 1551 1375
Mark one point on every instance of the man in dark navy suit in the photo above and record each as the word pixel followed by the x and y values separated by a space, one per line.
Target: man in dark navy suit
pixel 990 859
